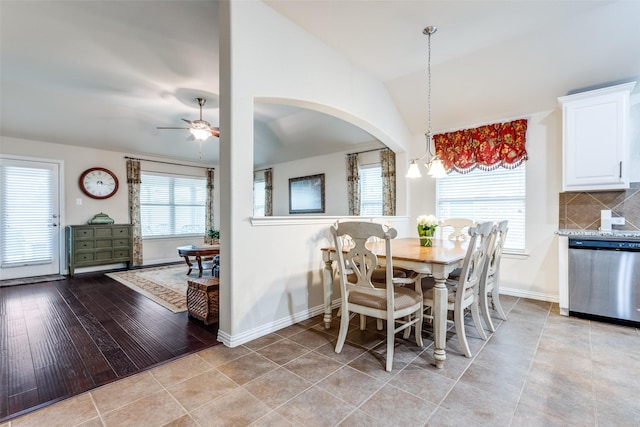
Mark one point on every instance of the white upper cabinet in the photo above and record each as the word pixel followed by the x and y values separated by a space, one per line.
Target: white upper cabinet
pixel 595 146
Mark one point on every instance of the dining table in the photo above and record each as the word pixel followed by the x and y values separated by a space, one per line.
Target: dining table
pixel 438 261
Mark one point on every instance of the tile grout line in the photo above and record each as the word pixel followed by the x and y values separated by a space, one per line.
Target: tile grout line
pixel 533 357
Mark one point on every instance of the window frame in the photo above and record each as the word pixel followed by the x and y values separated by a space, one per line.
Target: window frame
pixel 173 205
pixel 519 199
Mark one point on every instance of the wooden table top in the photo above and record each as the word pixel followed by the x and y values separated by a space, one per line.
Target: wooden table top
pixel 192 250
pixel 443 251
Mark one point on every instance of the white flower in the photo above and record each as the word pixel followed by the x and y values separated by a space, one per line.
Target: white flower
pixel 427 220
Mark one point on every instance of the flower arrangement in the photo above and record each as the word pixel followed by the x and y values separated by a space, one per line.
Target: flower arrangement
pixel 426 229
pixel 427 221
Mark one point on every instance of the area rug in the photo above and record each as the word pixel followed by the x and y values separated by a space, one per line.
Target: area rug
pixel 166 285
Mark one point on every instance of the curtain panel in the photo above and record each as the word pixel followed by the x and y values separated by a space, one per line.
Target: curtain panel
pixel 353 184
pixel 133 182
pixel 388 163
pixel 209 214
pixel 486 147
pixel 268 192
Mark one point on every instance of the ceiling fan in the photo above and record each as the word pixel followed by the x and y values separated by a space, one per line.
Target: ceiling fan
pixel 200 129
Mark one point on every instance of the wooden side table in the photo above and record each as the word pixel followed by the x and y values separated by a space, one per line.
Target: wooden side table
pixel 203 295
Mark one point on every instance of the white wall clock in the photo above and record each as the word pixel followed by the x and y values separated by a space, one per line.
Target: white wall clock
pixel 98 183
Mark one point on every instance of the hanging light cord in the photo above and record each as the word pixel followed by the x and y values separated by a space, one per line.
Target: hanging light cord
pixel 428 31
pixel 429 135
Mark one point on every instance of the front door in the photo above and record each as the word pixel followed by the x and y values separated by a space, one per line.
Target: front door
pixel 29 218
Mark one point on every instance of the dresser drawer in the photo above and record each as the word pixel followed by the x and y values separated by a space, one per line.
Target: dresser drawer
pixel 122 253
pixel 121 242
pixel 103 232
pixel 104 255
pixel 83 245
pixel 84 257
pixel 120 231
pixel 104 243
pixel 84 233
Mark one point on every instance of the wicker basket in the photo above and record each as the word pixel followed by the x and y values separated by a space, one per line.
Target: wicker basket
pixel 202 299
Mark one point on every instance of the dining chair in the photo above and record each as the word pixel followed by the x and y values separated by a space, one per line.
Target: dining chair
pixel 458 225
pixel 399 306
pixel 463 293
pixel 490 280
pixel 378 277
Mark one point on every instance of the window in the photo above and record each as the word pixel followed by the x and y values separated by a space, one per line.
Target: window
pixel 259 193
pixel 371 190
pixel 486 196
pixel 172 205
pixel 26 214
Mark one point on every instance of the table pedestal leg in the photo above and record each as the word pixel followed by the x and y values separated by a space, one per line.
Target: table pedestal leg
pixel 440 321
pixel 199 265
pixel 327 284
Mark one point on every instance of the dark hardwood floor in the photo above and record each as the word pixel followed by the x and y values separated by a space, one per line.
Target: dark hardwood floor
pixel 62 338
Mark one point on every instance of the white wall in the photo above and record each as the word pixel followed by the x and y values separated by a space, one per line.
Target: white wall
pixel 334 166
pixel 78 159
pixel 272 273
pixel 535 274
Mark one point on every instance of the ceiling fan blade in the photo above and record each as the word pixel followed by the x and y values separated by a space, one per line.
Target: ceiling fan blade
pixel 188 121
pixel 215 132
pixel 164 127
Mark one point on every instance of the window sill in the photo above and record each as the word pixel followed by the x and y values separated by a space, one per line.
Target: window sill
pixel 316 219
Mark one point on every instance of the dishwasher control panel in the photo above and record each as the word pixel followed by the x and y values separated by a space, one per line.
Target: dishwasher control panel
pixel 621 245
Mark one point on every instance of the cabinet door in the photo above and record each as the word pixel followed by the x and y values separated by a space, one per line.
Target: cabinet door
pixel 595 146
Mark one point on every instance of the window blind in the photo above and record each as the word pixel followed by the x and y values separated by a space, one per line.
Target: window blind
pixel 172 205
pixel 371 190
pixel 258 197
pixel 486 196
pixel 26 221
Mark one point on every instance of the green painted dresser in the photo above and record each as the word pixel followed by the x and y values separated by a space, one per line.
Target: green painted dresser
pixel 90 245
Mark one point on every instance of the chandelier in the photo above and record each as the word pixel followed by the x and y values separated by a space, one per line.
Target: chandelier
pixel 434 165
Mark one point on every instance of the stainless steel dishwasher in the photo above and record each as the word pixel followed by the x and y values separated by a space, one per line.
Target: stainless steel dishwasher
pixel 604 279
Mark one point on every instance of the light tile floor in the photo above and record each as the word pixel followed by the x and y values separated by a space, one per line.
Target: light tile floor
pixel 537 369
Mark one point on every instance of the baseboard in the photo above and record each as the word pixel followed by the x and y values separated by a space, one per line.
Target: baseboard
pixel 530 295
pixel 252 334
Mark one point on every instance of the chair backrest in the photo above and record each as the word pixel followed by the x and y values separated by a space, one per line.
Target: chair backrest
pixel 458 225
pixel 495 253
pixel 356 262
pixel 474 261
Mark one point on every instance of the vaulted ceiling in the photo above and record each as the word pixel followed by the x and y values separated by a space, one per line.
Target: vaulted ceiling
pixel 106 74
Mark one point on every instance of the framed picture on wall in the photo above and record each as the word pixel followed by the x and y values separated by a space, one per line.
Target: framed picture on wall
pixel 306 194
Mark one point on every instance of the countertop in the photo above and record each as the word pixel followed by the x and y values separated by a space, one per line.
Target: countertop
pixel 612 234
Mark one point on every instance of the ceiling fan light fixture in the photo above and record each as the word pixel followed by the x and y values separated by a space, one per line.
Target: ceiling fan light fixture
pixel 200 134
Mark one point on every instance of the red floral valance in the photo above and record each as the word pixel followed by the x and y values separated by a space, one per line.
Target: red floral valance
pixel 486 147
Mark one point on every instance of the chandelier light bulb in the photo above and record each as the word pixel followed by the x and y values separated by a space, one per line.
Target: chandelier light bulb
pixel 414 170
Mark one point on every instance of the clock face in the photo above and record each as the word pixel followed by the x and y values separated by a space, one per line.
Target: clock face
pixel 98 183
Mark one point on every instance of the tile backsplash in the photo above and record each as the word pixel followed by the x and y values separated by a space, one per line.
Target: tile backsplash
pixel 581 210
